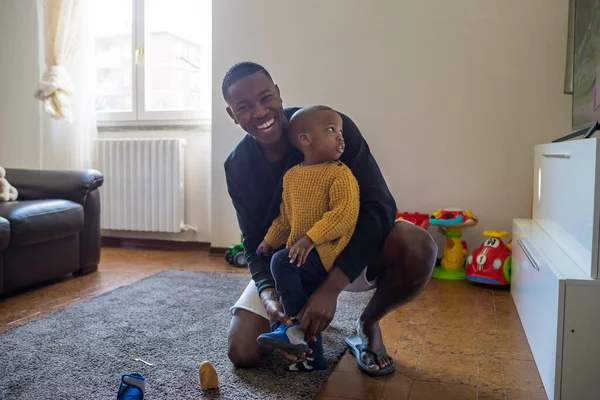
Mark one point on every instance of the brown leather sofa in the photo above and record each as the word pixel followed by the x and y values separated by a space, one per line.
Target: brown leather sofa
pixel 53 229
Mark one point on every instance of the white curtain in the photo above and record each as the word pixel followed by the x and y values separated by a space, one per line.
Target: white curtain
pixel 67 85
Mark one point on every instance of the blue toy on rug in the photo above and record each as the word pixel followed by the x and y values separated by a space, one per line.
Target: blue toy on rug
pixel 132 387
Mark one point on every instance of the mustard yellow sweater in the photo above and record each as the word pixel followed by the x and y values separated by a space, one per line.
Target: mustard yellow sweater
pixel 319 201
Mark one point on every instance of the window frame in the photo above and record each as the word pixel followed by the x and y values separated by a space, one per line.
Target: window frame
pixel 139 115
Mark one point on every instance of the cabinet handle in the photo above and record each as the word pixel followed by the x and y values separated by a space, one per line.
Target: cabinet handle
pixel 556 155
pixel 528 254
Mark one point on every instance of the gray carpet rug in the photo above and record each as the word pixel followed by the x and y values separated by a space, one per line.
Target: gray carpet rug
pixel 174 320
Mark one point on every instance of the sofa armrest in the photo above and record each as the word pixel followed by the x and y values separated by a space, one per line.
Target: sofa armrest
pixel 4 234
pixel 33 184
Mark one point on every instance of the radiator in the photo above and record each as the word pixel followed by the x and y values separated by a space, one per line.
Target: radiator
pixel 143 184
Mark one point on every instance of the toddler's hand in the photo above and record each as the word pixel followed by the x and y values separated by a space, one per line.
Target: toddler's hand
pixel 299 251
pixel 263 249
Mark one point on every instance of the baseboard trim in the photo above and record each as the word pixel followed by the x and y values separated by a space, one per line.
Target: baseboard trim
pixel 155 244
pixel 217 251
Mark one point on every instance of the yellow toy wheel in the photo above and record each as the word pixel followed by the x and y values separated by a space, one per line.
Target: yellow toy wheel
pixel 496 234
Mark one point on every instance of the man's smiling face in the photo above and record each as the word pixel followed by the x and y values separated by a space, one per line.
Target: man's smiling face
pixel 255 104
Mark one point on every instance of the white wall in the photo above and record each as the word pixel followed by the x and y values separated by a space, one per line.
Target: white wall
pixel 197 183
pixel 464 75
pixel 451 96
pixel 19 74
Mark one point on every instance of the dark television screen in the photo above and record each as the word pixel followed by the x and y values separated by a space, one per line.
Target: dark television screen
pixel 586 63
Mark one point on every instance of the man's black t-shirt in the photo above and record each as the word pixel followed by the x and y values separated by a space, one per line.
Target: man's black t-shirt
pixel 255 187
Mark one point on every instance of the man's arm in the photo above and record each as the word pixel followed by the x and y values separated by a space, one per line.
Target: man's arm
pixel 280 228
pixel 252 236
pixel 377 206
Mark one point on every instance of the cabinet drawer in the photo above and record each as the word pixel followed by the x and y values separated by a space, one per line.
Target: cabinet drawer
pixel 537 292
pixel 564 201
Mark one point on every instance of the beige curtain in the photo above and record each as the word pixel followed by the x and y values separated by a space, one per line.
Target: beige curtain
pixel 61 19
pixel 69 128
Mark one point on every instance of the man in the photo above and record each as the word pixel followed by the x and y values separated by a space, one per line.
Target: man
pixel 397 259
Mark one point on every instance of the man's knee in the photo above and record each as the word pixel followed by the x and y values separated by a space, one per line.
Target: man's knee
pixel 411 246
pixel 243 349
pixel 422 247
pixel 408 261
pixel 243 357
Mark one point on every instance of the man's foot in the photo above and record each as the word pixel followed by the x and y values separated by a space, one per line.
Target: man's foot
pixel 288 338
pixel 367 346
pixel 313 362
pixel 371 338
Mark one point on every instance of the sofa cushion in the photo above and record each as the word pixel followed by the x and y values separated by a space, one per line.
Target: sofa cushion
pixel 36 221
pixel 4 233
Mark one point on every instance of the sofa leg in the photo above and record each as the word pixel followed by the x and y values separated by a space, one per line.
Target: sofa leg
pixel 84 271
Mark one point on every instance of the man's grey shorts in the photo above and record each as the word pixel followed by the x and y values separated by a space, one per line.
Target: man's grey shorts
pixel 250 300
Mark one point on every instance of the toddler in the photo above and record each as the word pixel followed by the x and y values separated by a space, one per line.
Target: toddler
pixel 318 214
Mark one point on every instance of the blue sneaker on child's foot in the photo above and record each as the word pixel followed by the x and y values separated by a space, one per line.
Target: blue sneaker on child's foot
pixel 313 362
pixel 132 387
pixel 288 338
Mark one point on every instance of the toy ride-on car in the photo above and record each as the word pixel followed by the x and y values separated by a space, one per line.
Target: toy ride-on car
pixel 491 262
pixel 235 255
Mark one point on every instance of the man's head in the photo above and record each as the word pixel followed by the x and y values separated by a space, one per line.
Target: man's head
pixel 254 102
pixel 317 132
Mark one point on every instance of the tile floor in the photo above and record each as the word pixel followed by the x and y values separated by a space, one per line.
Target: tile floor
pixel 455 341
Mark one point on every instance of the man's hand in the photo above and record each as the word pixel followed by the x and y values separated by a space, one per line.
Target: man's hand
pixel 299 251
pixel 275 312
pixel 273 306
pixel 318 312
pixel 264 249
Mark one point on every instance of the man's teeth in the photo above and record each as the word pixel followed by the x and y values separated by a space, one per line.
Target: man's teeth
pixel 267 124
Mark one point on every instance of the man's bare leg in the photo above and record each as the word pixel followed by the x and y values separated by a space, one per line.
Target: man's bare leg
pixel 245 327
pixel 403 269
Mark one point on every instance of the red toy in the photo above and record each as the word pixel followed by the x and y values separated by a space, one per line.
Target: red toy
pixel 491 262
pixel 418 219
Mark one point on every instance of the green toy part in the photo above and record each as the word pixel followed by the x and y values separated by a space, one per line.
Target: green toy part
pixel 514 269
pixel 235 255
pixel 449 274
pixel 506 268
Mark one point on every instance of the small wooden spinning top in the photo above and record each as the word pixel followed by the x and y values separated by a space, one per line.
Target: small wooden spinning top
pixel 208 376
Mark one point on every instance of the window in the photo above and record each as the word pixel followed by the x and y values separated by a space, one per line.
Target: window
pixel 153 60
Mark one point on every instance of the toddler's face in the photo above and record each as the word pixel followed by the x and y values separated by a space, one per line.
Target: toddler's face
pixel 325 130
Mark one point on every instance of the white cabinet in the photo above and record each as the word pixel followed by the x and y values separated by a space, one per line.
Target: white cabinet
pixel 559 307
pixel 555 273
pixel 566 198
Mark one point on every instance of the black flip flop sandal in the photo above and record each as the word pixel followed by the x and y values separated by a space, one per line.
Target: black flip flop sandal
pixel 356 347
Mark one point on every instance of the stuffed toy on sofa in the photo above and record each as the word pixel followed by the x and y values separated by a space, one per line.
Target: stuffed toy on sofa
pixel 7 191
